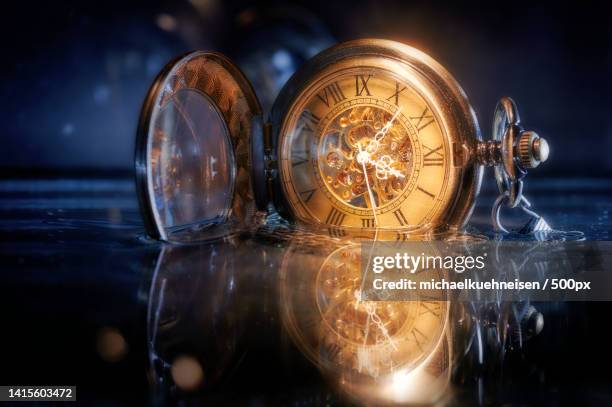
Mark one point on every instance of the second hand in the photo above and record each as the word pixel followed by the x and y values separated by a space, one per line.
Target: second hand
pixel 365 173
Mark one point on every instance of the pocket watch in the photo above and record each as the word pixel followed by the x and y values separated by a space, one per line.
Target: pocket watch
pixel 368 134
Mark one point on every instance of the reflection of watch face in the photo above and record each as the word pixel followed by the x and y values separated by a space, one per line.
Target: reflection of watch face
pixel 369 133
pixel 365 127
pixel 371 337
pixel 361 345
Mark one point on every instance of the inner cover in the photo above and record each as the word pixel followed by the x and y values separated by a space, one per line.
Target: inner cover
pixel 193 150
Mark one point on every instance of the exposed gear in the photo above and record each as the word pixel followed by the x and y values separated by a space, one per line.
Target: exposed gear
pixel 370 136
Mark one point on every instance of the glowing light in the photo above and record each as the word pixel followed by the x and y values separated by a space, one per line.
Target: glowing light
pixel 166 22
pixel 187 373
pixel 111 345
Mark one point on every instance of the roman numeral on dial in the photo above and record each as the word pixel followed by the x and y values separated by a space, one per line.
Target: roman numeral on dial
pixel 401 219
pixel 334 91
pixel 368 223
pixel 335 217
pixel 431 307
pixel 426 192
pixel 308 120
pixel 419 337
pixel 434 157
pixel 332 351
pixel 401 236
pixel 307 194
pixel 298 158
pixel 361 85
pixel 398 89
pixel 336 232
pixel 423 120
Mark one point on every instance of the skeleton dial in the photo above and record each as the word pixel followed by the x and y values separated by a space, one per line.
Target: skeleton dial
pixel 363 146
pixel 372 337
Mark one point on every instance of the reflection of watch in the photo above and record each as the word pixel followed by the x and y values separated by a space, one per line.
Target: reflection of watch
pixel 373 351
pixel 381 352
pixel 363 113
pixel 192 293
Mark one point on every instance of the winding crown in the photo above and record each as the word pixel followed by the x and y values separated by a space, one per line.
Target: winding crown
pixel 532 149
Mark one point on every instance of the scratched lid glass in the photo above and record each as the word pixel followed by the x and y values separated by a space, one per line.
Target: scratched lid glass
pixel 192 153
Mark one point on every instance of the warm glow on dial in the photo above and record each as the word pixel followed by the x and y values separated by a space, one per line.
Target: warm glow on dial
pixel 363 148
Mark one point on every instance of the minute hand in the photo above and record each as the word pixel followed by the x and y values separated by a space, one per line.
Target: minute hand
pixel 372 146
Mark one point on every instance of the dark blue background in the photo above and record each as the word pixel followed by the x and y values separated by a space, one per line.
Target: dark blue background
pixel 73 253
pixel 75 73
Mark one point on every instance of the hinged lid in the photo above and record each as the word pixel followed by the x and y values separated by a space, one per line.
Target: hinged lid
pixel 193 151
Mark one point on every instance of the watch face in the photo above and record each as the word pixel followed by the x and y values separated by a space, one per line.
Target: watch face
pixel 364 148
pixel 371 139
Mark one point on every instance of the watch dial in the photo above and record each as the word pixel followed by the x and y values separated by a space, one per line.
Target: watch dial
pixel 362 147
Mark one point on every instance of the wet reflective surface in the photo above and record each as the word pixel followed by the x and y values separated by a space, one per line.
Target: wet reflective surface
pixel 254 318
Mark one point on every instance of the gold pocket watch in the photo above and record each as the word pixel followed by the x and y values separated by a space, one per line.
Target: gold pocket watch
pixel 367 134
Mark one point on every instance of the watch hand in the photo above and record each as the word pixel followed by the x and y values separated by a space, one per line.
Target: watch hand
pixel 380 134
pixel 370 309
pixel 363 157
pixel 382 165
